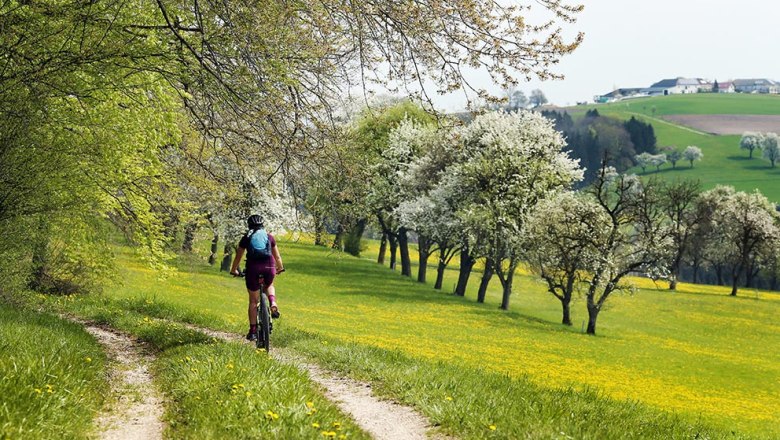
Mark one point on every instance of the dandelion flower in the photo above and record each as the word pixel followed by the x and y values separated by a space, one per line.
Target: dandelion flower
pixel 315 425
pixel 310 404
pixel 337 425
pixel 492 427
pixel 448 398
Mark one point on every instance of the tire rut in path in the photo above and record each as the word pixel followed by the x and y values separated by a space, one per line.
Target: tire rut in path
pixel 138 413
pixel 384 420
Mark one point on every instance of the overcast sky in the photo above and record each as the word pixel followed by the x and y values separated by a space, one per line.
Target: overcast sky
pixel 633 43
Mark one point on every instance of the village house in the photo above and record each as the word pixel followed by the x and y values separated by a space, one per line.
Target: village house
pixel 756 85
pixel 724 87
pixel 678 86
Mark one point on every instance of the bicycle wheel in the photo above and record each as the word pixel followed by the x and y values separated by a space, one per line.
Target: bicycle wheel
pixel 263 323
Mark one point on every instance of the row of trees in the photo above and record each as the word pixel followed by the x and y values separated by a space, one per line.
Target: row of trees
pixel 670 154
pixel 498 191
pixel 166 117
pixel 767 143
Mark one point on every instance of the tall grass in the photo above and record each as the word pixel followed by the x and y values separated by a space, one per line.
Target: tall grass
pixel 52 376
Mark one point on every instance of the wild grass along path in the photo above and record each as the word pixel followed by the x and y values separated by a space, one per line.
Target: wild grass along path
pixel 138 413
pixel 384 420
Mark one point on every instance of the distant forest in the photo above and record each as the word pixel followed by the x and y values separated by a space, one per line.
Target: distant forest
pixel 594 137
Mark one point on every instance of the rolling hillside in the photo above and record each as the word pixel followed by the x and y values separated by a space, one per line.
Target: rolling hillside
pixel 723 163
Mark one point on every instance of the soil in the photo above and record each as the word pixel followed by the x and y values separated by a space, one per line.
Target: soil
pixel 728 124
pixel 138 412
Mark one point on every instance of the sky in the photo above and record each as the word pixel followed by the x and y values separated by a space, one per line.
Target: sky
pixel 634 43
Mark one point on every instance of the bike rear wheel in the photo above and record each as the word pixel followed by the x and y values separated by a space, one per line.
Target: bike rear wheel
pixel 263 323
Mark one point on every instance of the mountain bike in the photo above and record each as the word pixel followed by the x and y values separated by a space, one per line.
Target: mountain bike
pixel 264 323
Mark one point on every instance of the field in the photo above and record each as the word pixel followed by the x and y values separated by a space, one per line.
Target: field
pixel 723 163
pixel 728 124
pixel 697 353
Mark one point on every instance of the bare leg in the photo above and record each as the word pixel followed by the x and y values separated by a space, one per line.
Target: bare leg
pixel 254 297
pixel 271 291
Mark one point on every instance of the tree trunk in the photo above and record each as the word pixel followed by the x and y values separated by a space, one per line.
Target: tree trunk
pixel 319 230
pixel 382 249
pixel 734 283
pixel 338 240
pixel 393 250
pixel 673 283
pixel 507 285
pixel 440 274
pixel 227 258
pixel 353 237
pixel 483 284
pixel 423 247
pixel 593 314
pixel 189 237
pixel 466 264
pixel 566 303
pixel 695 273
pixel 214 247
pixel 403 245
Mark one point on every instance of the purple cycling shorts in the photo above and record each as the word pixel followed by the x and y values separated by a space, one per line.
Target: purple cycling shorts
pixel 253 274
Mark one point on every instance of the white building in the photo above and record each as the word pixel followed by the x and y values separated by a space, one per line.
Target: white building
pixel 756 85
pixel 678 86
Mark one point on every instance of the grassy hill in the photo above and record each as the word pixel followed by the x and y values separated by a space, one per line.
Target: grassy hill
pixel 723 163
pixel 700 354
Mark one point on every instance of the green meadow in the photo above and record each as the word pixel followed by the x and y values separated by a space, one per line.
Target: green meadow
pixel 696 104
pixel 723 163
pixel 664 365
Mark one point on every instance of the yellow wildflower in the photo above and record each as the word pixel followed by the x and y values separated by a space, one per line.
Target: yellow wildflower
pixel 310 404
pixel 87 359
pixel 448 398
pixel 315 425
pixel 492 427
pixel 337 425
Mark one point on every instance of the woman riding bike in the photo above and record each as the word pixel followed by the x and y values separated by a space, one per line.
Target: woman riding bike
pixel 263 261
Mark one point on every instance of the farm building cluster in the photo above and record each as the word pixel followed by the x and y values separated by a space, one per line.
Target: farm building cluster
pixel 681 85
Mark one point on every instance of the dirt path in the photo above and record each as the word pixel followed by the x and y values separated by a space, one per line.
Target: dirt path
pixel 382 419
pixel 138 413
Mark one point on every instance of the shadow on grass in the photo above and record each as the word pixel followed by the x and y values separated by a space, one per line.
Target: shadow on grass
pixel 357 278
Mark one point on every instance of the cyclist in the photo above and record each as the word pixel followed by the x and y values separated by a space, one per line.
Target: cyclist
pixel 265 264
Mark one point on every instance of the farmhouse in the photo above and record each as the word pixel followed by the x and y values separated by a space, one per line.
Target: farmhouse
pixel 756 85
pixel 724 87
pixel 678 86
